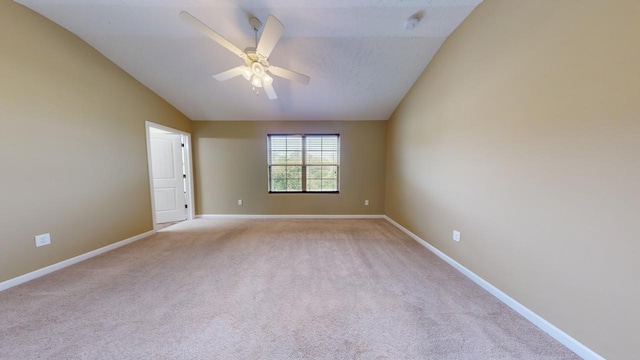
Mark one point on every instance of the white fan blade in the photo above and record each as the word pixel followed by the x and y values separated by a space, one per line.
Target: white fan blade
pixel 270 35
pixel 270 92
pixel 288 74
pixel 231 73
pixel 198 25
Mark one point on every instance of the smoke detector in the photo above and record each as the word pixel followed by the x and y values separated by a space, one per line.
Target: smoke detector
pixel 411 22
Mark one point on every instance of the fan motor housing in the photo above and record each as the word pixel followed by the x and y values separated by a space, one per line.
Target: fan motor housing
pixel 253 56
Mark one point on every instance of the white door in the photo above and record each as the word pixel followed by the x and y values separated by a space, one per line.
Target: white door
pixel 168 177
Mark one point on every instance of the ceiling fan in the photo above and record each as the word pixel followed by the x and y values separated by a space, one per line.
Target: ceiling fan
pixel 257 69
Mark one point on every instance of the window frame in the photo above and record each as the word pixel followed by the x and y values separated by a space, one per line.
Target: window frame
pixel 303 165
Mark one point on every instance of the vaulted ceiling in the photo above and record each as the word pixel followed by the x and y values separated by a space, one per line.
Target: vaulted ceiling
pixel 359 54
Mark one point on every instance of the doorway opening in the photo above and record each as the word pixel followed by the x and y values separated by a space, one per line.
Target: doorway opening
pixel 170 174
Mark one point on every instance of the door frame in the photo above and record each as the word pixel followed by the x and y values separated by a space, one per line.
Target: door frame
pixel 188 168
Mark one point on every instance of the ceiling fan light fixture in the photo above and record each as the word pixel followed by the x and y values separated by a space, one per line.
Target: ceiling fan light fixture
pixel 257 68
pixel 256 81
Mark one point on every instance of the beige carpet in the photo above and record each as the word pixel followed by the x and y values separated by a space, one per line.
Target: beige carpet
pixel 265 289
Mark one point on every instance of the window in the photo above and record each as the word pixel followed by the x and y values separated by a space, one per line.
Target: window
pixel 304 163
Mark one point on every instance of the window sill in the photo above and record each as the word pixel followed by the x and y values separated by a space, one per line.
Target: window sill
pixel 304 192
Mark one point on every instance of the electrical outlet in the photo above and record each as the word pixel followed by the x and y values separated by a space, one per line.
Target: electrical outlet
pixel 456 235
pixel 366 203
pixel 43 239
pixel 240 202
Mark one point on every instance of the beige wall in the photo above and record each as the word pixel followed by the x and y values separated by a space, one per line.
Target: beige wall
pixel 524 134
pixel 231 163
pixel 73 150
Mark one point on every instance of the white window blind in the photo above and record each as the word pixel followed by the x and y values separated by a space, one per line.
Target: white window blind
pixel 304 163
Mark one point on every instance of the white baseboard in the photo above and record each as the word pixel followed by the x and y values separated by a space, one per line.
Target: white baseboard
pixel 257 216
pixel 562 337
pixel 74 260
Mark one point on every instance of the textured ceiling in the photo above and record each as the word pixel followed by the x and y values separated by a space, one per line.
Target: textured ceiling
pixel 361 59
